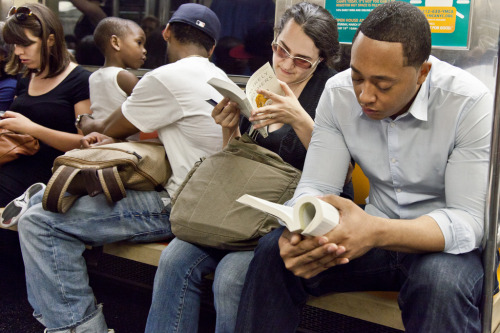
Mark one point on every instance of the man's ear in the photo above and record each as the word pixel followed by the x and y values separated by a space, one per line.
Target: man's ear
pixel 115 42
pixel 211 51
pixel 423 71
pixel 166 33
pixel 51 40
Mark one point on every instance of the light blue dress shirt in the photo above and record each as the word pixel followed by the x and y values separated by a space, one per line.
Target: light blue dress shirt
pixel 432 160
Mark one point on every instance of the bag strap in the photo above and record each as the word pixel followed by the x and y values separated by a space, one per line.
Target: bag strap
pixel 247 138
pixel 112 184
pixel 54 199
pixel 108 181
pixel 245 146
pixel 91 181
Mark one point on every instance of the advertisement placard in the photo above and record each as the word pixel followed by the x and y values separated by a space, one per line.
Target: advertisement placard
pixel 449 19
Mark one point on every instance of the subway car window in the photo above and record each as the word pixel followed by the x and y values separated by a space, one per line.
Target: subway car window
pixel 243 46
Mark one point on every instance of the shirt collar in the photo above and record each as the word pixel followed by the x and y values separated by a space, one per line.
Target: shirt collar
pixel 419 107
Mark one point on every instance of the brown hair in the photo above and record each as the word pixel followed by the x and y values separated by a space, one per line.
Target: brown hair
pixel 42 23
pixel 319 25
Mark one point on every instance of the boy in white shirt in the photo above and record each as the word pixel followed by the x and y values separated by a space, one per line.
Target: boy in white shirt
pixel 122 43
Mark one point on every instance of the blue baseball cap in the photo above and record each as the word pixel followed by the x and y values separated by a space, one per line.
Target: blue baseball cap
pixel 198 16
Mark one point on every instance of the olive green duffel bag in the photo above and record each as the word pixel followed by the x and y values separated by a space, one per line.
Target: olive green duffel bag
pixel 205 211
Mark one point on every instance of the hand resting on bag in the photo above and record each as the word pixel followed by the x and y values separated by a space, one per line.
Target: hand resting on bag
pixel 96 139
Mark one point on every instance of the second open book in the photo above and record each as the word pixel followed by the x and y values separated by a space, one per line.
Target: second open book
pixel 309 215
pixel 248 100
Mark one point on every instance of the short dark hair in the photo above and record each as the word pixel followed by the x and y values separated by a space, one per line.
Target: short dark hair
pixel 319 25
pixel 108 27
pixel 187 34
pixel 400 22
pixel 150 18
pixel 87 52
pixel 41 24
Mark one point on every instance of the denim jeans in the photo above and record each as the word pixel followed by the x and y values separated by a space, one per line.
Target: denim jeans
pixel 439 292
pixel 52 246
pixel 178 287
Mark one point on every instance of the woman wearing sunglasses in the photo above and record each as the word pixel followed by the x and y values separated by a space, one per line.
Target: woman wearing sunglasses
pixel 51 92
pixel 305 46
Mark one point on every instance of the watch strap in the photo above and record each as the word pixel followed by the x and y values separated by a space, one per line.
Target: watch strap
pixel 80 117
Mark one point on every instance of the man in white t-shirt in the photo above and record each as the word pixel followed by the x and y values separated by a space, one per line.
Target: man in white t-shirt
pixel 169 100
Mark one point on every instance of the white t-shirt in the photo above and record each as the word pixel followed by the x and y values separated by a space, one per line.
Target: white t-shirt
pixel 172 100
pixel 105 94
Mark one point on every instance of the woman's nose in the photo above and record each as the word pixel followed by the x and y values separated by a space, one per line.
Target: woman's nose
pixel 288 63
pixel 18 49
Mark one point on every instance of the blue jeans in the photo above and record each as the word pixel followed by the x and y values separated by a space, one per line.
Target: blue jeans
pixel 52 246
pixel 439 292
pixel 178 281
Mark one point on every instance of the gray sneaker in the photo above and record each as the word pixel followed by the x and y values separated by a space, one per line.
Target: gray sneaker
pixel 14 209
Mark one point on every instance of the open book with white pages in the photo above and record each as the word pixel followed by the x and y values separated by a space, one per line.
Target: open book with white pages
pixel 309 216
pixel 248 100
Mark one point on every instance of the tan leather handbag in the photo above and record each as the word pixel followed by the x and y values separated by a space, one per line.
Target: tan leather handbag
pixel 108 169
pixel 13 145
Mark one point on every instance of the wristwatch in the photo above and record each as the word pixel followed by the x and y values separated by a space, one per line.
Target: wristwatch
pixel 80 117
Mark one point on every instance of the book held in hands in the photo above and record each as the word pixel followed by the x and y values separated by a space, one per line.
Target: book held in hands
pixel 248 100
pixel 309 216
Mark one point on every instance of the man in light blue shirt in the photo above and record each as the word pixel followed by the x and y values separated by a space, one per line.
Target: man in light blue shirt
pixel 420 130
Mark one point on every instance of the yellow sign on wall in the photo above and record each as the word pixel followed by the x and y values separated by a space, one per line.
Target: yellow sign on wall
pixel 448 19
pixel 441 19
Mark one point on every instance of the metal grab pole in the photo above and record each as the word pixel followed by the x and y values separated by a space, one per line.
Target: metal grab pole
pixel 491 213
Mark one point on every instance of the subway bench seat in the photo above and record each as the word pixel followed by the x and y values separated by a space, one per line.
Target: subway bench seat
pixel 374 306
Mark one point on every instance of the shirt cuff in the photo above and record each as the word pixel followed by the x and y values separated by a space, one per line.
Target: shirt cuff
pixel 459 235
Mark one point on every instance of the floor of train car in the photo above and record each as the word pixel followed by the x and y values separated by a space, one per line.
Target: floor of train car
pixel 124 287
